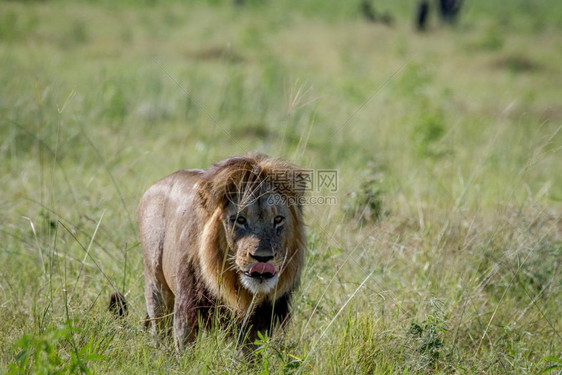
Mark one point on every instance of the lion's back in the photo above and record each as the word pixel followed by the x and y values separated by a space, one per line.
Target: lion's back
pixel 160 211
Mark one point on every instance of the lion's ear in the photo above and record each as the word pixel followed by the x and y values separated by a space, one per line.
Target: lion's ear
pixel 205 195
pixel 210 195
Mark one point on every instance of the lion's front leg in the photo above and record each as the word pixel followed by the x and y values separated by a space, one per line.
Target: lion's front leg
pixel 185 324
pixel 158 302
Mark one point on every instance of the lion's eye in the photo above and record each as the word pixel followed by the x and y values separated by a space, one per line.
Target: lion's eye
pixel 238 219
pixel 278 219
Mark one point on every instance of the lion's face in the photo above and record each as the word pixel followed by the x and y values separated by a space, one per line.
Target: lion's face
pixel 257 228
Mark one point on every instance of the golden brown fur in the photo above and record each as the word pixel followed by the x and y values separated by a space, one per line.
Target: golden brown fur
pixel 199 254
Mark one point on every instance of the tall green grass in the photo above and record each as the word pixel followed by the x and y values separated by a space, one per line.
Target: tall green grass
pixel 443 252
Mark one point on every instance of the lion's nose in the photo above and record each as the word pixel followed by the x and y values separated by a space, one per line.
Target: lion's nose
pixel 261 258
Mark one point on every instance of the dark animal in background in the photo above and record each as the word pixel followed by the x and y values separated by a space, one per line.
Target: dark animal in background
pixel 449 10
pixel 371 15
pixel 421 16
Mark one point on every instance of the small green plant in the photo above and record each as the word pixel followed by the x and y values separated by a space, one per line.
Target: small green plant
pixel 366 204
pixel 428 132
pixel 557 366
pixel 53 352
pixel 429 333
pixel 268 351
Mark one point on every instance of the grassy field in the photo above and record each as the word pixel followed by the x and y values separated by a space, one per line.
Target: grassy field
pixel 442 254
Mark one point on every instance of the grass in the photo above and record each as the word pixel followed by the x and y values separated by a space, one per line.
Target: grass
pixel 443 252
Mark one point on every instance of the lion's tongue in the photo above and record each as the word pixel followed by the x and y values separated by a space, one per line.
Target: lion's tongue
pixel 262 268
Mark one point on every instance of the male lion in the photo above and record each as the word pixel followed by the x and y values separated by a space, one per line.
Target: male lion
pixel 227 238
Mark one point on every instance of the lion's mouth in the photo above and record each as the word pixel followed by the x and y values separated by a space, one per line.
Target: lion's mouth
pixel 261 270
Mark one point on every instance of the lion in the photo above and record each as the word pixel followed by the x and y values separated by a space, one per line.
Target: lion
pixel 230 238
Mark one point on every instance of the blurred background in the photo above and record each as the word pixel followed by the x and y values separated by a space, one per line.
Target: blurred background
pixel 441 251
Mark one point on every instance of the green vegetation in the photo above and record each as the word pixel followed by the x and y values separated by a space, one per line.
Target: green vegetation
pixel 443 254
